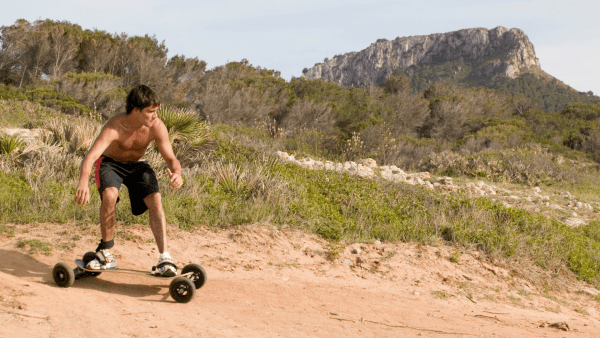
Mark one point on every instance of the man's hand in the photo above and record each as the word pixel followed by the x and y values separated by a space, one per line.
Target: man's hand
pixel 82 195
pixel 176 180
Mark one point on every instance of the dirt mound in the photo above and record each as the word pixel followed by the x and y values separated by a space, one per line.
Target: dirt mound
pixel 265 282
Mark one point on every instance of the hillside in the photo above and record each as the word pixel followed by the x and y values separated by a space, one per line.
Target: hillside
pixel 501 59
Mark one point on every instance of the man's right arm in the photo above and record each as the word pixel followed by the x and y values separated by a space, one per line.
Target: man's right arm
pixel 107 135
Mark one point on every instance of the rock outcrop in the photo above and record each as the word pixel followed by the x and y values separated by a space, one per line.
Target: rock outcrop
pixel 499 51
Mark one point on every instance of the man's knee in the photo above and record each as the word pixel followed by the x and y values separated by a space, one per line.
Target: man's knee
pixel 109 197
pixel 153 202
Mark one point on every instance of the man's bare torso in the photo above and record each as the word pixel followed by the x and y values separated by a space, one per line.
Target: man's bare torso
pixel 132 142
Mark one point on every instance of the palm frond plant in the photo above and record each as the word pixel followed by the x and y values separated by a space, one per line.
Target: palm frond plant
pixel 185 126
pixel 11 144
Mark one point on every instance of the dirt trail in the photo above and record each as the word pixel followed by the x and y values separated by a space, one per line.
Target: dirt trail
pixel 269 283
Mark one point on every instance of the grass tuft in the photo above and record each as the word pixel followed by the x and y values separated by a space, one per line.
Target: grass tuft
pixel 35 246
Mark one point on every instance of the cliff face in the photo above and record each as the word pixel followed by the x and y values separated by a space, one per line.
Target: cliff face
pixel 498 51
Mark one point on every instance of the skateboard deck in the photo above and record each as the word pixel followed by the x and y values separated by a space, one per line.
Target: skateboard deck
pixel 81 265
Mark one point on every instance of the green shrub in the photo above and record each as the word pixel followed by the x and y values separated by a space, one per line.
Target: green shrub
pixel 185 125
pixel 11 144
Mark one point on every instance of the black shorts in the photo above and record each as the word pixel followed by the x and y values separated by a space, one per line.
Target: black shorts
pixel 138 177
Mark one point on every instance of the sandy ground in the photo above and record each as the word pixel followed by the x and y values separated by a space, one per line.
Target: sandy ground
pixel 264 282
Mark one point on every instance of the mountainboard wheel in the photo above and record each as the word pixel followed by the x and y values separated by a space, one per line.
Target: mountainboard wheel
pixel 88 257
pixel 198 275
pixel 63 275
pixel 182 289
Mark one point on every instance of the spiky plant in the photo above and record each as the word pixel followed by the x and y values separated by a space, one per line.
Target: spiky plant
pixel 236 181
pixel 184 125
pixel 75 136
pixel 10 144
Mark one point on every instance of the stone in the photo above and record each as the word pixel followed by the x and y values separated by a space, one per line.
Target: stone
pixel 363 171
pixel 368 162
pixel 356 251
pixel 575 222
pixel 307 163
pixel 559 160
pixel 445 180
pixel 27 135
pixel 396 170
pixel 566 195
pixel 397 178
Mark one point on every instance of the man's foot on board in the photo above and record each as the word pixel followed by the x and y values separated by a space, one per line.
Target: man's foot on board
pixel 104 260
pixel 165 266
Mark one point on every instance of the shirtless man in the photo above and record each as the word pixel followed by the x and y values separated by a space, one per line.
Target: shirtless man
pixel 117 153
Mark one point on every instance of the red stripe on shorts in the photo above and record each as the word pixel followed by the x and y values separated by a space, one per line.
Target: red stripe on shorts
pixel 97 172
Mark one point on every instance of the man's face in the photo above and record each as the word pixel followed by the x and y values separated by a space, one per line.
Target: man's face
pixel 147 116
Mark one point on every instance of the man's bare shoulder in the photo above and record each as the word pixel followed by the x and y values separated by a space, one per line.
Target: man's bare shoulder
pixel 115 120
pixel 113 127
pixel 159 128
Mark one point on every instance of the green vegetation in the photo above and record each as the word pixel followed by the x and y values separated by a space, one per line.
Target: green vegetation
pixel 184 125
pixel 16 113
pixel 35 245
pixel 440 294
pixel 454 258
pixel 10 145
pixel 8 230
pixel 47 96
pixel 549 93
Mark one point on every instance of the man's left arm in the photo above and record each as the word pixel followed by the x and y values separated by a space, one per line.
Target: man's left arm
pixel 166 150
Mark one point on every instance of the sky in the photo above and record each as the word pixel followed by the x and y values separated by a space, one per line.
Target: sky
pixel 290 35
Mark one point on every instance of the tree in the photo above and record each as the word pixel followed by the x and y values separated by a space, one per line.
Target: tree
pixel 63 48
pixel 95 55
pixel 35 56
pixel 185 76
pixel 398 84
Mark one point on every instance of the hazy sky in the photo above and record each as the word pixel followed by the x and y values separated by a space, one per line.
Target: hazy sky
pixel 290 35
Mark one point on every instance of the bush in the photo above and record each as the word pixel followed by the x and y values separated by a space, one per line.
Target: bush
pixel 10 145
pixel 101 93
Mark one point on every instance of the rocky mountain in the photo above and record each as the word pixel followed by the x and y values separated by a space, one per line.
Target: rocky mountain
pixel 501 59
pixel 487 53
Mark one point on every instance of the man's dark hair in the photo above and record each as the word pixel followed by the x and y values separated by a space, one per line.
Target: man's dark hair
pixel 141 97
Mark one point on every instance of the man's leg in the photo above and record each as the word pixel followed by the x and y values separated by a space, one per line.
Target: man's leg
pixel 158 221
pixel 104 259
pixel 107 213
